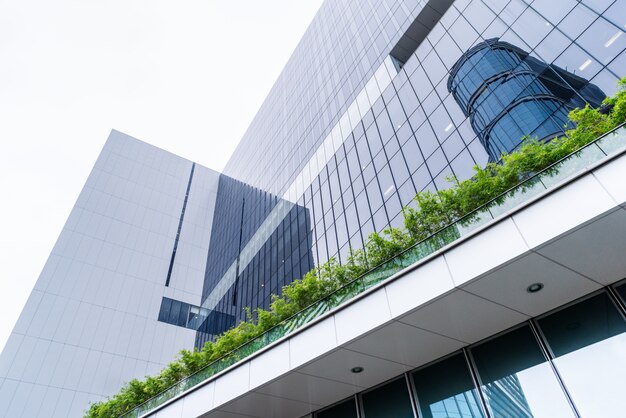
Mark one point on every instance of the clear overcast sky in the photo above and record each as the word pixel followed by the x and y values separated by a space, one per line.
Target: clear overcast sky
pixel 186 76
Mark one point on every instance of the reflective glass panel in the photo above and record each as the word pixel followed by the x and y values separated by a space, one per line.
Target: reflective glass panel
pixel 389 401
pixel 588 340
pixel 516 379
pixel 621 290
pixel 345 409
pixel 446 390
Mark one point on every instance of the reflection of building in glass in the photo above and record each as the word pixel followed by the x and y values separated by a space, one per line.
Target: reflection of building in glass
pixel 508 95
pixel 260 243
pixel 507 399
pixel 462 405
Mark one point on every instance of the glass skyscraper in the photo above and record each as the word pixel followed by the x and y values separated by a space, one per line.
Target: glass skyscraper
pixel 381 99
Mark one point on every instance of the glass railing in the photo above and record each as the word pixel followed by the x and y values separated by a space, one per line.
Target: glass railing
pixel 593 152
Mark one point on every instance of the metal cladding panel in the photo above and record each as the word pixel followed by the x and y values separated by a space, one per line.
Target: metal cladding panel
pixel 90 324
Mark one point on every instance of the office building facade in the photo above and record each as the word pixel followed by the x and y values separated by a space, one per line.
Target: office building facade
pixel 381 100
pixel 384 99
pixel 137 236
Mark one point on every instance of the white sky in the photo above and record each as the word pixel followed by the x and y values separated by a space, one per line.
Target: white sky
pixel 186 76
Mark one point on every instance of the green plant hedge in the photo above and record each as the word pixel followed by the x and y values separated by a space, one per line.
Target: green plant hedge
pixel 433 211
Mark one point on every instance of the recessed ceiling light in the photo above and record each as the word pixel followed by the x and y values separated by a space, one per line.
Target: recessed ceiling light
pixel 534 288
pixel 448 128
pixel 356 369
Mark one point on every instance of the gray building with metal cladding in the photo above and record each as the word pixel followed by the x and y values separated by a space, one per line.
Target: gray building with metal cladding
pixel 161 254
pixel 91 321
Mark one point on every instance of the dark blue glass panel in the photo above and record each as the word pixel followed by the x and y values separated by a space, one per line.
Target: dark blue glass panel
pixel 390 400
pixel 446 389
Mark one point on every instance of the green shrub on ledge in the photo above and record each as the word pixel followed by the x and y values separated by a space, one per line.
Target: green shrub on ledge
pixel 434 210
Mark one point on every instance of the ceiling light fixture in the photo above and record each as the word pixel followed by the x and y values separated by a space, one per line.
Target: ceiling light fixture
pixel 534 288
pixel 356 369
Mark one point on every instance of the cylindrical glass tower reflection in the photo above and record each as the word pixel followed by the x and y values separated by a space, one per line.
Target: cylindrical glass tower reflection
pixel 509 95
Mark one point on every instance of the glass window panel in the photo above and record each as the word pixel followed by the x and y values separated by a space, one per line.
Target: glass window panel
pixel 434 67
pixel 437 162
pixel 463 33
pixel 516 379
pixel 453 146
pixel 174 312
pixel 577 21
pixel 390 400
pixel 463 166
pixel 420 83
pixel 552 46
pixel 495 30
pixel 578 62
pixel 399 169
pixel 603 40
pixel 345 409
pixel 598 5
pixel 621 290
pixel 448 51
pixel 479 15
pixel 426 139
pixel 164 313
pixel 532 27
pixel 617 14
pixel 446 389
pixel 408 98
pixel 554 11
pixel 412 154
pixel 589 342
pixel 606 82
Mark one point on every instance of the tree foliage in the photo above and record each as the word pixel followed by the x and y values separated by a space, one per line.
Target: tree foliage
pixel 432 212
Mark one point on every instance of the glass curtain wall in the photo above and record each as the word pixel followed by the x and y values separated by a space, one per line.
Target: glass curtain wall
pixel 567 363
pixel 516 378
pixel 588 344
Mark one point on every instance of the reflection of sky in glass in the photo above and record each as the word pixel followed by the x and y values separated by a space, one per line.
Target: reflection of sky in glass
pixel 595 377
pixel 516 378
pixel 533 392
pixel 463 405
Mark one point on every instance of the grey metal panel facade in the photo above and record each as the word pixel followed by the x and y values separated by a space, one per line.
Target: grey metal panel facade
pixel 90 324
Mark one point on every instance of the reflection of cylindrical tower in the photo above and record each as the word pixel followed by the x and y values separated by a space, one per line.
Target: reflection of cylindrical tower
pixel 508 95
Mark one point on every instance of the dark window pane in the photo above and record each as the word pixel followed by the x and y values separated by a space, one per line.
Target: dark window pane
pixel 582 325
pixel 446 389
pixel 174 312
pixel 345 409
pixel 516 379
pixel 621 290
pixel 164 313
pixel 390 400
